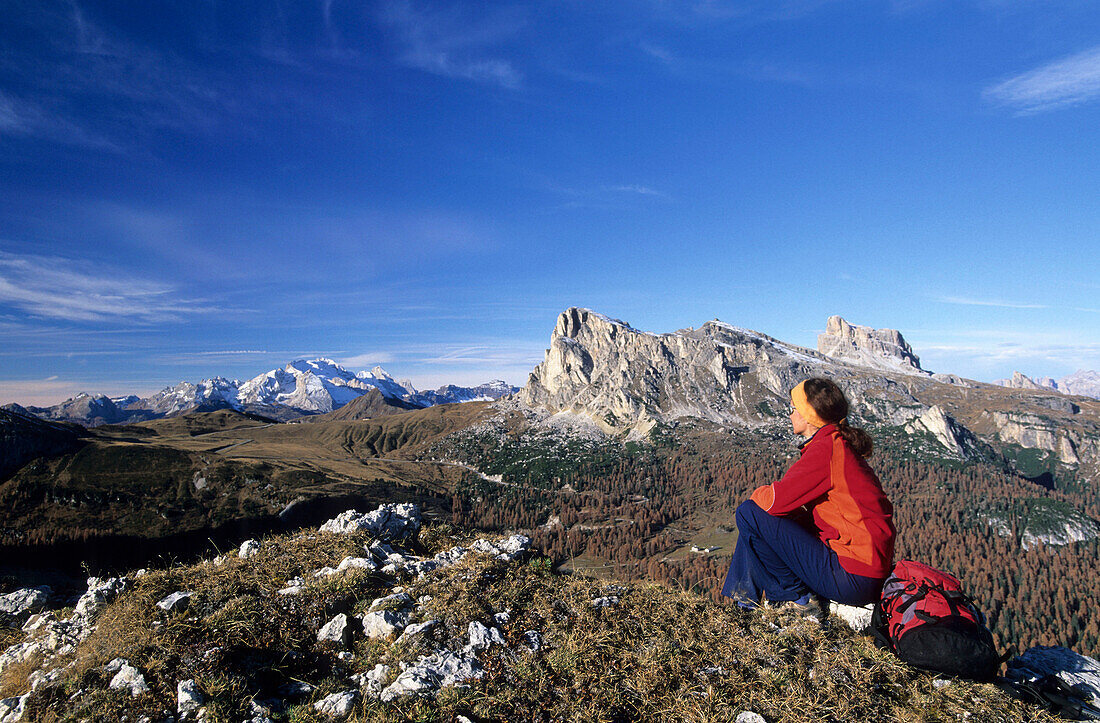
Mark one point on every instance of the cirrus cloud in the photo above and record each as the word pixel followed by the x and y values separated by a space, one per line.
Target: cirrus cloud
pixel 1069 81
pixel 59 288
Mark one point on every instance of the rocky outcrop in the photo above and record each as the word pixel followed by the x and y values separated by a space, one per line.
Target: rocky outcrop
pixel 1031 431
pixel 875 348
pixel 956 439
pixel 629 379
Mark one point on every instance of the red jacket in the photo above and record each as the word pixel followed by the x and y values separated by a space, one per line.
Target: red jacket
pixel 850 511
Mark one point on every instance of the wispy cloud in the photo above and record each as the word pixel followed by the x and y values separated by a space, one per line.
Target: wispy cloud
pixel 59 288
pixel 20 117
pixel 638 189
pixel 454 44
pixel 967 301
pixel 1065 82
pixel 364 360
pixel 52 390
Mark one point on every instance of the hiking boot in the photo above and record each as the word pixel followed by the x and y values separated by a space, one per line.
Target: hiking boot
pixel 809 605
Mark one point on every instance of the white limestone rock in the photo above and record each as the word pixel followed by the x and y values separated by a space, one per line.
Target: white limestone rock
pixel 957 440
pixel 130 679
pixel 177 602
pixel 625 379
pixel 336 631
pixel 11 709
pixel 389 521
pixel 418 629
pixel 1079 672
pixel 481 636
pixel 384 623
pixel 748 716
pixel 857 618
pixel 603 602
pixel 249 548
pixel 506 548
pixel 99 593
pixel 23 603
pixel 430 673
pixel 358 563
pixel 188 697
pixel 532 639
pixel 373 681
pixel 293 587
pixel 396 601
pixel 19 653
pixel 338 705
pixel 876 348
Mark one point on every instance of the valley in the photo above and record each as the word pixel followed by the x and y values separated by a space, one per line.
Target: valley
pixel 624 457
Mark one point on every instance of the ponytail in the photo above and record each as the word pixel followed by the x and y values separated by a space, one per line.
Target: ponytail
pixel 860 442
pixel 828 400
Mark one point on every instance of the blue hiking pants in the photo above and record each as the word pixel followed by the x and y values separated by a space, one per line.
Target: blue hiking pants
pixel 779 557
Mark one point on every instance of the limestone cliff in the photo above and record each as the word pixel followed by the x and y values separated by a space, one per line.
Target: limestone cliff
pixel 876 348
pixel 629 379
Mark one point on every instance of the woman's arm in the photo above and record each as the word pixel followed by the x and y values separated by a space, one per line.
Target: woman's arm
pixel 805 481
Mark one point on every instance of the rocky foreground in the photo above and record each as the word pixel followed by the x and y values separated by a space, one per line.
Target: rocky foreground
pixel 372 618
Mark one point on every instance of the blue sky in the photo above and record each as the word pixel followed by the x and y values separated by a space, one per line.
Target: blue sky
pixel 199 189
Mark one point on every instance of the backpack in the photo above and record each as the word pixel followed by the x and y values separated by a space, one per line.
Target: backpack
pixel 925 619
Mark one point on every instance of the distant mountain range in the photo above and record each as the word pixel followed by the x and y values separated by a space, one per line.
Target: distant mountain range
pixel 301 388
pixel 1082 383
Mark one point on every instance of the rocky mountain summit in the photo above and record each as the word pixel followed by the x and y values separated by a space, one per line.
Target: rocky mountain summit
pixel 628 381
pixel 1082 383
pixel 301 388
pixel 876 348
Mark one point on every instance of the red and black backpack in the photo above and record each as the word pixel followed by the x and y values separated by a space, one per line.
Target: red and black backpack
pixel 926 619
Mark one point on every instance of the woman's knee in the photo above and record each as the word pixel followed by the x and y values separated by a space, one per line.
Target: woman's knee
pixel 746 515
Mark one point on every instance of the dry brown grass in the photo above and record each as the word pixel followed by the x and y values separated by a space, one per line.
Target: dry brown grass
pixel 657 655
pixel 13 681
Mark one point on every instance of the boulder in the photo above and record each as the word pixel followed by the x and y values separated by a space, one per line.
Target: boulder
pixel 857 618
pixel 23 603
pixel 248 548
pixel 373 680
pixel 335 631
pixel 359 563
pixel 188 697
pixel 395 601
pixel 1079 672
pixel 414 630
pixel 11 709
pixel 481 637
pixel 99 593
pixel 177 602
pixel 384 623
pixel 337 705
pixel 130 679
pixel 389 521
pixel 432 672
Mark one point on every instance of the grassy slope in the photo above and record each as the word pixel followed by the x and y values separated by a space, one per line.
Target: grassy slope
pixel 140 479
pixel 658 655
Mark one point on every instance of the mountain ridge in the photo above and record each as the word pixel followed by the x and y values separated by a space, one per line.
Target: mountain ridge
pixel 303 387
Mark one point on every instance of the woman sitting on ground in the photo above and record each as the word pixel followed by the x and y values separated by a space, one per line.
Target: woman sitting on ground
pixel 825 528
